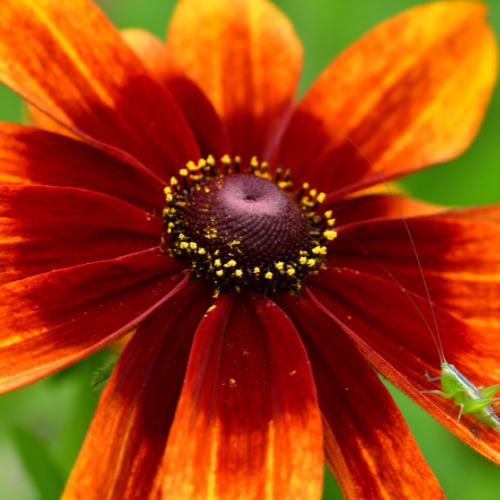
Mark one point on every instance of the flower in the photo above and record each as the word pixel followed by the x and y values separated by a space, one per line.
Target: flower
pixel 232 389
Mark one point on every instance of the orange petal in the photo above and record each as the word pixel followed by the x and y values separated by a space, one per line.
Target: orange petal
pixel 410 93
pixel 247 424
pixel 368 445
pixel 26 153
pixel 39 119
pixel 246 57
pixel 129 431
pixel 390 332
pixel 51 320
pixel 197 108
pixel 69 61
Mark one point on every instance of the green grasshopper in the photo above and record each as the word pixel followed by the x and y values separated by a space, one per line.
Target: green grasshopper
pixel 473 400
pixel 470 399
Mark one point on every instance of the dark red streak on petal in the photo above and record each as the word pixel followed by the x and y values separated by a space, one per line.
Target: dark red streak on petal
pixel 130 429
pixel 390 333
pixel 52 320
pixel 376 206
pixel 247 424
pixel 368 445
pixel 46 228
pixel 459 258
pixel 33 156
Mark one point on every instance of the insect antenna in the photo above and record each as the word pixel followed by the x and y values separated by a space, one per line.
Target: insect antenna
pixel 412 300
pixel 436 336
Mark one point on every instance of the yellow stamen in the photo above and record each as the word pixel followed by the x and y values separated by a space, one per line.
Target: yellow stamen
pixel 269 276
pixel 330 235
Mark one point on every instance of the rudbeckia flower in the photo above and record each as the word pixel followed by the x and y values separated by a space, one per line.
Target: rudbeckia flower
pixel 177 192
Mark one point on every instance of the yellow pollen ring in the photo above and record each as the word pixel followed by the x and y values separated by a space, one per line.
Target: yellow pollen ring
pixel 256 270
pixel 268 276
pixel 220 272
pixel 238 273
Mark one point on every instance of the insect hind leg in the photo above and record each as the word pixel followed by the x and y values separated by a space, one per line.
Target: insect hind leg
pixel 496 410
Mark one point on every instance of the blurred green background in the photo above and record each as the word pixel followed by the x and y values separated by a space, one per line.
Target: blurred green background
pixel 43 425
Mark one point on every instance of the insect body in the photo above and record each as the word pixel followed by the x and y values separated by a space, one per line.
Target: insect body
pixel 470 399
pixel 473 400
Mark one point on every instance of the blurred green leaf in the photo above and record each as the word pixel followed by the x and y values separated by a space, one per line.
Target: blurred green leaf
pixel 101 376
pixel 39 464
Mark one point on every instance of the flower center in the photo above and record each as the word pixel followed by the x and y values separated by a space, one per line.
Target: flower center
pixel 244 230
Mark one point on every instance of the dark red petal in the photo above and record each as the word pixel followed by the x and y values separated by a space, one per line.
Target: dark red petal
pixel 68 60
pixel 46 228
pixel 375 206
pixel 129 431
pixel 247 424
pixel 54 319
pixel 390 332
pixel 410 93
pixel 199 111
pixel 368 445
pixel 32 156
pixel 247 59
pixel 459 257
